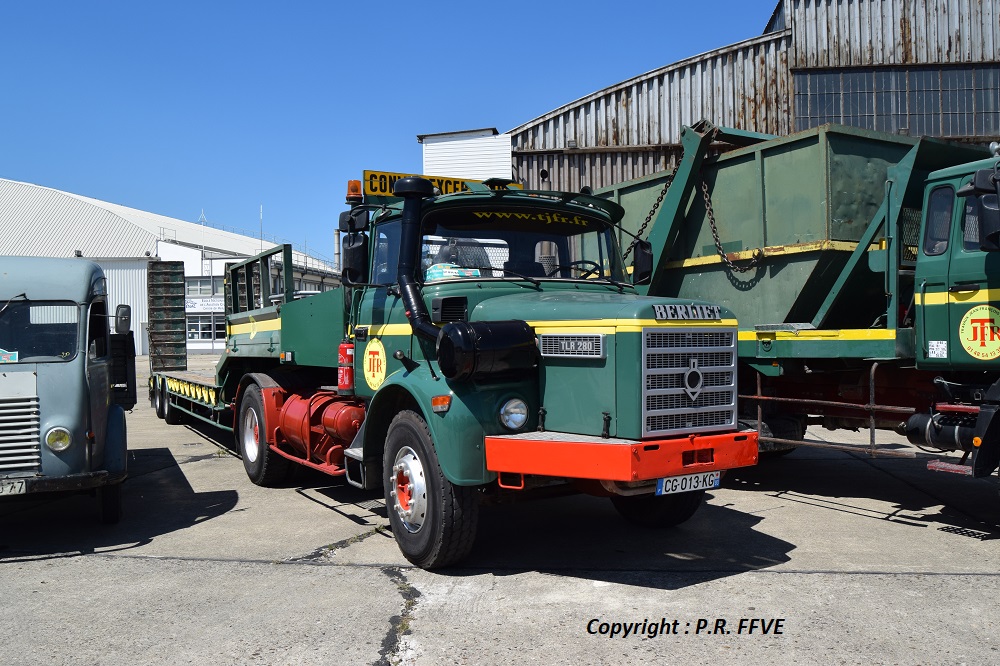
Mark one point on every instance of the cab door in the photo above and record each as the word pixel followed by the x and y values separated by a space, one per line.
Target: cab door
pixel 380 324
pixel 934 347
pixel 973 314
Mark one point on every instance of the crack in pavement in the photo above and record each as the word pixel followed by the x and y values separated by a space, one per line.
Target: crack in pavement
pixel 324 552
pixel 399 625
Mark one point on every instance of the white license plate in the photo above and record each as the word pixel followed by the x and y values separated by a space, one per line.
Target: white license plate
pixel 687 483
pixel 12 487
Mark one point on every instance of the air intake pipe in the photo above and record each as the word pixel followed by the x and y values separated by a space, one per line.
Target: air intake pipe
pixel 464 350
pixel 413 190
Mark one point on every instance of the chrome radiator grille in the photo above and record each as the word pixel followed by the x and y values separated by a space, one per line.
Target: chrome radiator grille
pixel 688 381
pixel 20 442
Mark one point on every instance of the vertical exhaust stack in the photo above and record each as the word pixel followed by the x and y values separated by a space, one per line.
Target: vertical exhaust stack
pixel 413 190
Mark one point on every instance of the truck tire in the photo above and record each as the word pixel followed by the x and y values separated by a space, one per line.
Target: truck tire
pixel 158 397
pixel 434 522
pixel 263 466
pixel 171 414
pixel 109 498
pixel 658 510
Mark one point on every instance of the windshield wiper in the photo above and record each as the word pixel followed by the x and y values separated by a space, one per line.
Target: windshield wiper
pixel 11 299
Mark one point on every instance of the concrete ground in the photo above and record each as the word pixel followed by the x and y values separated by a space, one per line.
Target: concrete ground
pixel 817 557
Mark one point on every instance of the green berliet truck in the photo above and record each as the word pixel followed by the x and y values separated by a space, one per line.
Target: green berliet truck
pixel 484 343
pixel 863 267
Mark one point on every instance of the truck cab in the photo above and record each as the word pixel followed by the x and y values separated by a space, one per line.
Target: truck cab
pixel 65 381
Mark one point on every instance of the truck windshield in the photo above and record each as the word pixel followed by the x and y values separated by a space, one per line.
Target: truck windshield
pixel 519 242
pixel 39 331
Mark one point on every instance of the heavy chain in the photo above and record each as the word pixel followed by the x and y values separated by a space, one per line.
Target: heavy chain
pixel 757 255
pixel 656 204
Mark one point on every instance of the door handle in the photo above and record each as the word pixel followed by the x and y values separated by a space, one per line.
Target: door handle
pixel 923 316
pixel 964 287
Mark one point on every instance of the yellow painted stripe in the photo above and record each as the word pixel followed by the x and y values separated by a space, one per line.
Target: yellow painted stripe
pixel 258 326
pixel 822 335
pixel 965 297
pixel 771 251
pixel 607 326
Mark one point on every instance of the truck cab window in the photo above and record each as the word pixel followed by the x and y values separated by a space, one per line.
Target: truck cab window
pixel 386 240
pixel 939 211
pixel 97 331
pixel 970 220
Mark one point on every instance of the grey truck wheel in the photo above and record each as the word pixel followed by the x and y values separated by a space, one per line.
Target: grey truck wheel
pixel 658 510
pixel 434 522
pixel 158 397
pixel 110 500
pixel 171 414
pixel 263 466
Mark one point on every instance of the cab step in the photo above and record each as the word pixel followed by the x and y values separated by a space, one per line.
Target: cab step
pixel 942 466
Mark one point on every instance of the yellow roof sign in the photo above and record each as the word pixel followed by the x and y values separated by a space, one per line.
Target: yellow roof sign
pixel 379 183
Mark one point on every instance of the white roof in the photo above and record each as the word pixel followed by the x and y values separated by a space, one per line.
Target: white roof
pixel 40 221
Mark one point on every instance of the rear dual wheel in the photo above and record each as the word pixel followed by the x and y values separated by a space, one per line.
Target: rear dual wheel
pixel 433 521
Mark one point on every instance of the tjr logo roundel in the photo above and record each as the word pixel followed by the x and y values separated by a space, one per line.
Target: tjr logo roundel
pixel 979 332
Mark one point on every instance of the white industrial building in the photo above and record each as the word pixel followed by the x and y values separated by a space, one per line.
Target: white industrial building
pixel 39 221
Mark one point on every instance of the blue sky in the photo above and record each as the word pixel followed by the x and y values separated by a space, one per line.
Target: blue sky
pixel 225 107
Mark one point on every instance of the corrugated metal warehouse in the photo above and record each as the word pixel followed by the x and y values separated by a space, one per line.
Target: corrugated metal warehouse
pixel 919 67
pixel 39 221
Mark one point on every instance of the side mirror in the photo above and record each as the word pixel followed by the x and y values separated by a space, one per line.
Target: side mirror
pixel 984 181
pixel 642 262
pixel 352 221
pixel 354 259
pixel 123 318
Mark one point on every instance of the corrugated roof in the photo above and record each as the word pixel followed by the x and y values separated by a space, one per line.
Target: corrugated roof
pixel 41 222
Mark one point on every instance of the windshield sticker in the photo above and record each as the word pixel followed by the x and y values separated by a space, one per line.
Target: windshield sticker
pixel 8 356
pixel 664 312
pixel 547 218
pixel 445 271
pixel 979 332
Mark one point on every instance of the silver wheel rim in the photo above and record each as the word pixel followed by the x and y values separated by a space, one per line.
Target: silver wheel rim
pixel 409 490
pixel 250 435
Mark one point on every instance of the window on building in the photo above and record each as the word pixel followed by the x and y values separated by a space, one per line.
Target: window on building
pixel 199 286
pixel 200 327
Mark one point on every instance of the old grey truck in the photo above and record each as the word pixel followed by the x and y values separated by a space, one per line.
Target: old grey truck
pixel 65 381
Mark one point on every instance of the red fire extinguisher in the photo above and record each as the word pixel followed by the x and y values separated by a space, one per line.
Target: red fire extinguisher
pixel 345 368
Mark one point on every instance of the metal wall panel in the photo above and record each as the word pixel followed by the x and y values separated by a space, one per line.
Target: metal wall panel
pixel 127 285
pixel 633 129
pixel 861 33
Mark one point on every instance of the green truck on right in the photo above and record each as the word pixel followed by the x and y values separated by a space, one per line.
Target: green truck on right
pixel 864 271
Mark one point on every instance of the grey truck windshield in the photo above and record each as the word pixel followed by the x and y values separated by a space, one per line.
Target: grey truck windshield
pixel 38 331
pixel 518 242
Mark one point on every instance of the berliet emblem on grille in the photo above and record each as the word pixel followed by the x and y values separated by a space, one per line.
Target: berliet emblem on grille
pixel 693 380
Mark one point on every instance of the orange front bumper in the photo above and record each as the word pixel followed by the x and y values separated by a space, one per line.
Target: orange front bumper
pixel 581 457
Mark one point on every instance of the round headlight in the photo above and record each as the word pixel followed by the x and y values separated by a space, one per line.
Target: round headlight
pixel 58 439
pixel 514 414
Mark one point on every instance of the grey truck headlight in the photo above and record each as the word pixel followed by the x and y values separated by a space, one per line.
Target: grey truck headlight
pixel 514 414
pixel 58 439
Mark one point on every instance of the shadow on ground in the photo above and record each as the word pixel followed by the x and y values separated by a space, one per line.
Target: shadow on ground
pixel 157 500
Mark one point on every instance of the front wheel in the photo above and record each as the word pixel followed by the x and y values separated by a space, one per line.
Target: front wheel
pixel 658 510
pixel 263 466
pixel 110 499
pixel 434 522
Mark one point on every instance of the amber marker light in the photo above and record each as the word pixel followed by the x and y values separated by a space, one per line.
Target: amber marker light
pixel 354 191
pixel 441 403
pixel 977 442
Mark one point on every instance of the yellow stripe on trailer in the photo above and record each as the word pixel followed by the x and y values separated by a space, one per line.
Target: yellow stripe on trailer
pixel 822 335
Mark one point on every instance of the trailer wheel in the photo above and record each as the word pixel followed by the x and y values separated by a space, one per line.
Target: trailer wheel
pixel 658 510
pixel 263 466
pixel 171 414
pixel 110 499
pixel 158 397
pixel 434 522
